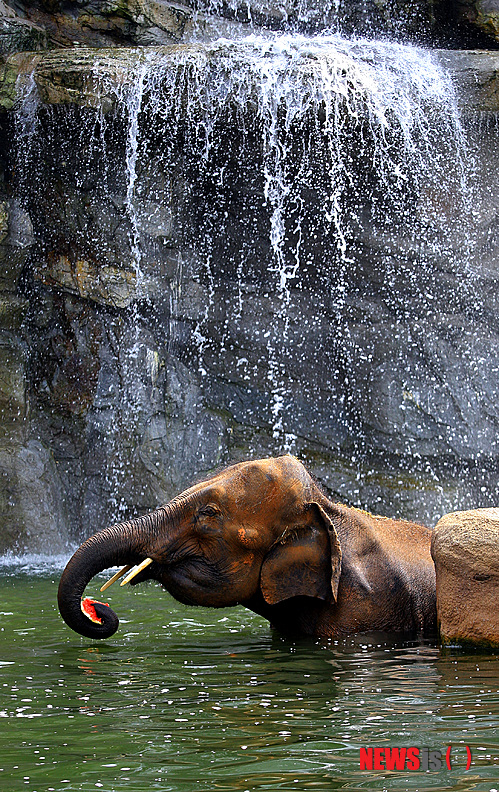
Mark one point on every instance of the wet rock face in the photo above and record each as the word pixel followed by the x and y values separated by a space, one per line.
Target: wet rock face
pixel 18 34
pixel 465 549
pixel 104 23
pixel 99 282
pixel 33 515
pixel 33 512
pixel 178 296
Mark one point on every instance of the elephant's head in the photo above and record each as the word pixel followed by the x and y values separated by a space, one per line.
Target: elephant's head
pixel 256 531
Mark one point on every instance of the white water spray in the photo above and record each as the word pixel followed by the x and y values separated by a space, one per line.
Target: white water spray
pixel 389 104
pixel 348 144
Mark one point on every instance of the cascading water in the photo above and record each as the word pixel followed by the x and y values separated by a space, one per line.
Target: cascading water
pixel 378 97
pixel 279 218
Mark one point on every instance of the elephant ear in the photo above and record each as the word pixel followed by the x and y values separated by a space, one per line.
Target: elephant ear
pixel 305 561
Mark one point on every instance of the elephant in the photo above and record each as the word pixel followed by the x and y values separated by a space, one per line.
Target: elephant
pixel 263 534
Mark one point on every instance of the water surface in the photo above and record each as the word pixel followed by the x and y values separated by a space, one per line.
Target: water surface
pixel 195 699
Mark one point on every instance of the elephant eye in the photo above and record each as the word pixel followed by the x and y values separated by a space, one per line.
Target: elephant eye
pixel 209 511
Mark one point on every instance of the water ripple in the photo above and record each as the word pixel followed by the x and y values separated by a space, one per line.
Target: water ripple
pixel 189 699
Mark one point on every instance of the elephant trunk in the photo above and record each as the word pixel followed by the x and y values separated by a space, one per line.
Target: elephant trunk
pixel 125 543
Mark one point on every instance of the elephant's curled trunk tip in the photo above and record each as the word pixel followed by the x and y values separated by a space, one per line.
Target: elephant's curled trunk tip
pixel 88 617
pixel 110 547
pixel 100 613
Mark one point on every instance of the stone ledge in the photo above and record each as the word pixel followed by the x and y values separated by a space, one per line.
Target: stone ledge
pixel 69 75
pixel 475 74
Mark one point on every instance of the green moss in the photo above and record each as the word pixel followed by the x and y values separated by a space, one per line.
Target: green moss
pixel 9 71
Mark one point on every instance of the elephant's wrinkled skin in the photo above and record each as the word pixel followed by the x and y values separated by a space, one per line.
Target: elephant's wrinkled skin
pixel 262 534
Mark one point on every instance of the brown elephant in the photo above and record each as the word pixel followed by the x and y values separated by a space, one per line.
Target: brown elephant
pixel 262 534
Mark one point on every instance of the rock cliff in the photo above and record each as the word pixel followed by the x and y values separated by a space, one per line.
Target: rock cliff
pixel 185 282
pixel 102 23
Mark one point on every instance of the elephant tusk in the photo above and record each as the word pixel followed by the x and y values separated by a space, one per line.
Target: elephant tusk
pixel 136 571
pixel 116 577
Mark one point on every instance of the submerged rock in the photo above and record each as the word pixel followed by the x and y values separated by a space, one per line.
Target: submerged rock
pixel 465 549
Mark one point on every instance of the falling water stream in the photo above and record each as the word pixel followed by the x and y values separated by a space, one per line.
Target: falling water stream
pixel 304 103
pixel 255 197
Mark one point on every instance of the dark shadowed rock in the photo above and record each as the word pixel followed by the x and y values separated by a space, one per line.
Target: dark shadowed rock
pixel 482 15
pixel 18 34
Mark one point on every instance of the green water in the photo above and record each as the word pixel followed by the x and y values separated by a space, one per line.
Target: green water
pixel 194 699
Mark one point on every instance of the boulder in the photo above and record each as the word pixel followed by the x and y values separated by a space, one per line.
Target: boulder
pixel 107 23
pixel 465 549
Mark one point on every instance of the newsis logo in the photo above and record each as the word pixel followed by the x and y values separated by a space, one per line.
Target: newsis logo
pixel 407 758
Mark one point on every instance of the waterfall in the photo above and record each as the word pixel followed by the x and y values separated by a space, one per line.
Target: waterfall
pixel 304 103
pixel 266 228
